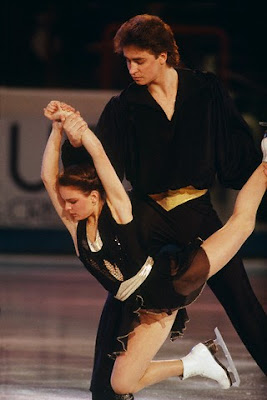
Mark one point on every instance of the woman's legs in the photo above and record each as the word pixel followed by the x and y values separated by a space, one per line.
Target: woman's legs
pixel 221 246
pixel 135 369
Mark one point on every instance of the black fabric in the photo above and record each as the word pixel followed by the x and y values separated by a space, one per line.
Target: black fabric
pixel 74 155
pixel 230 285
pixel 209 138
pixel 205 138
pixel 109 395
pixel 120 247
pixel 164 290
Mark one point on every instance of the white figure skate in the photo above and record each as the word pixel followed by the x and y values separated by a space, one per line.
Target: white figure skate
pixel 201 361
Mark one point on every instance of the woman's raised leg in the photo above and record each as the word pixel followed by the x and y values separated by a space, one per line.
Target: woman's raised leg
pixel 221 246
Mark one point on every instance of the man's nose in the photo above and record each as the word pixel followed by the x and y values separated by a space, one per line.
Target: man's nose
pixel 132 68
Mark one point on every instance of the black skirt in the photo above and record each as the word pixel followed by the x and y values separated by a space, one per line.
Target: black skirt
pixel 169 287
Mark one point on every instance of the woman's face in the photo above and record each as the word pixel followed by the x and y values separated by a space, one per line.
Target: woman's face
pixel 142 65
pixel 78 204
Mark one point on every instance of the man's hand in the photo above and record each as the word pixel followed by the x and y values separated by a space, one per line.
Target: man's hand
pixel 75 126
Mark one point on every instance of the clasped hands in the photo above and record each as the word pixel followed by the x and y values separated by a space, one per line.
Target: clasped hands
pixel 71 120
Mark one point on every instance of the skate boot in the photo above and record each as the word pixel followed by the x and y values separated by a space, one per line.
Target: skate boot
pixel 201 361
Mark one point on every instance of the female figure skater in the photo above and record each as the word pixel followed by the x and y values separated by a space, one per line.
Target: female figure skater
pixel 154 285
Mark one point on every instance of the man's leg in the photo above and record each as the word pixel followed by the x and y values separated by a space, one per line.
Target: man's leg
pixel 232 288
pixel 105 343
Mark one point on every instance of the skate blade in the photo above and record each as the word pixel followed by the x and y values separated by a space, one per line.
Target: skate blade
pixel 231 366
pixel 264 146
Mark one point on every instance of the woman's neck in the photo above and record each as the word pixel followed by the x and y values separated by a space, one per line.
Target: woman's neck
pixel 92 222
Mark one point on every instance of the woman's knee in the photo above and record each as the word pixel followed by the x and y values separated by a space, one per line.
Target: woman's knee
pixel 121 384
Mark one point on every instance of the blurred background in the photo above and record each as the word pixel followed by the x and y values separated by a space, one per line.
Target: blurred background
pixel 63 50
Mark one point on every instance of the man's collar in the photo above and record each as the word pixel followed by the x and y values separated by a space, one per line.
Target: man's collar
pixel 190 82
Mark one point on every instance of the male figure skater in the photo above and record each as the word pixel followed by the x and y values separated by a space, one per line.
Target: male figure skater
pixel 171 132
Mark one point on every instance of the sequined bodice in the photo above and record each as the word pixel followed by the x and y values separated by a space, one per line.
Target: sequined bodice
pixel 118 259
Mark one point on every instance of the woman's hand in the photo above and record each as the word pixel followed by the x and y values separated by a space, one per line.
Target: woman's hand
pixel 57 110
pixel 70 119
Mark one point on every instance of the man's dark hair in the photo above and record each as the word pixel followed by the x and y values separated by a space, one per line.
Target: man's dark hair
pixel 148 32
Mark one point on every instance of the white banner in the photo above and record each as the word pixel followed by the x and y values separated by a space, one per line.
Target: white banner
pixel 24 131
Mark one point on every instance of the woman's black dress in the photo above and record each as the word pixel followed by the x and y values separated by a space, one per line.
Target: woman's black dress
pixel 176 279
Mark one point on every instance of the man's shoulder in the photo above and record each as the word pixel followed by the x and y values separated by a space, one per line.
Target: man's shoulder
pixel 121 99
pixel 132 90
pixel 197 77
pixel 195 84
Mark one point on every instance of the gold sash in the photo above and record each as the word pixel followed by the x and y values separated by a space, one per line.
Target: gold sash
pixel 173 198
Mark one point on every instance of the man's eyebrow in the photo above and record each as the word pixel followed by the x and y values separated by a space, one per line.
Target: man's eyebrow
pixel 135 58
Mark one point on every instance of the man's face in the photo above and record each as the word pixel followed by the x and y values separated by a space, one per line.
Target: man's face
pixel 143 66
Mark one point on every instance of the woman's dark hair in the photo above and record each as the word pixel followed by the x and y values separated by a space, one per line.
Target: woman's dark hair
pixel 148 32
pixel 82 177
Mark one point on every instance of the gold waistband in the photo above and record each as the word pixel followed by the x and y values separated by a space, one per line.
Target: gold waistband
pixel 173 198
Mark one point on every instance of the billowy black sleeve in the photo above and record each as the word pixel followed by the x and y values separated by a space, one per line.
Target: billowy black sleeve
pixel 111 131
pixel 236 154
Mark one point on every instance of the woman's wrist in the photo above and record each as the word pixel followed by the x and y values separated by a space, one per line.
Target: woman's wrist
pixel 57 129
pixel 90 141
pixel 86 134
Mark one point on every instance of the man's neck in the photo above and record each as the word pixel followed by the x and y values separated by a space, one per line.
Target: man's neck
pixel 166 84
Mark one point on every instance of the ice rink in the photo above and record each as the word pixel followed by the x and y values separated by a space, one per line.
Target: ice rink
pixel 50 306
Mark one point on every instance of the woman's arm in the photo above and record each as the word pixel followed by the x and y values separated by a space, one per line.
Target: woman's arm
pixel 117 198
pixel 49 174
pixel 79 134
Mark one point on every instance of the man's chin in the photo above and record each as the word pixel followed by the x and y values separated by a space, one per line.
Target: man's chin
pixel 139 82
